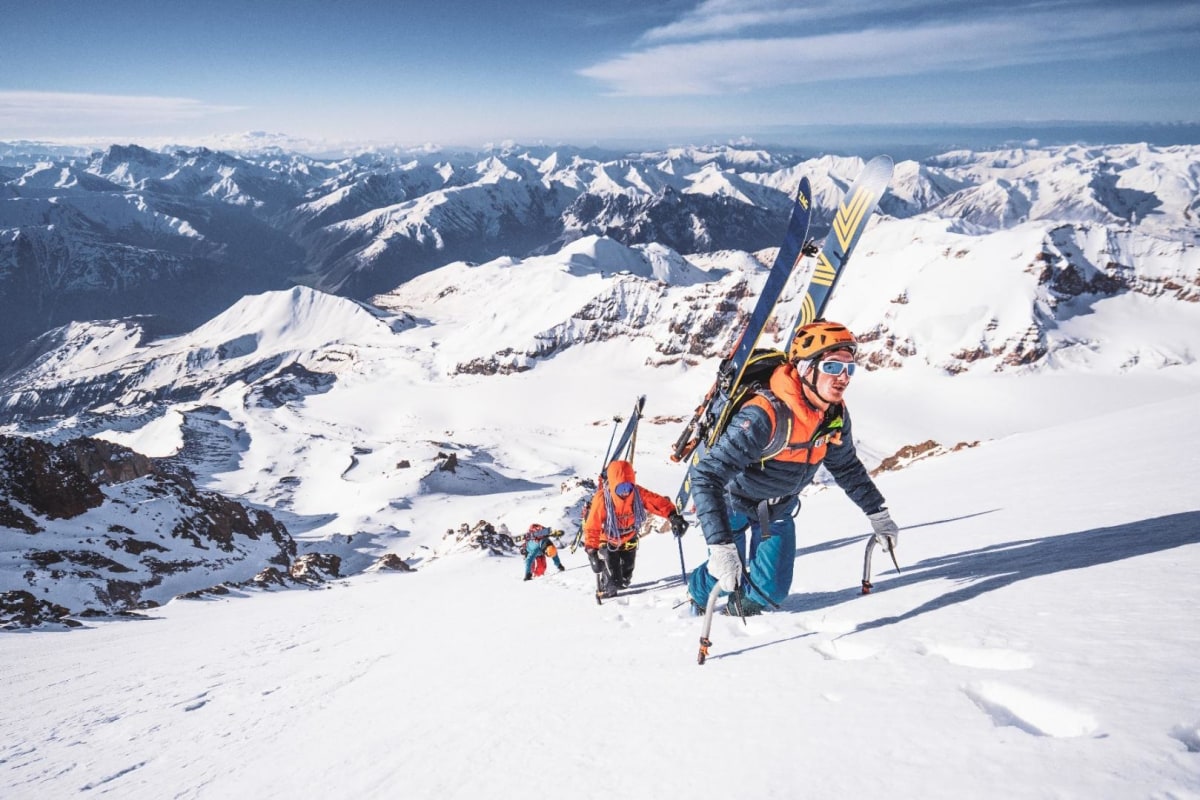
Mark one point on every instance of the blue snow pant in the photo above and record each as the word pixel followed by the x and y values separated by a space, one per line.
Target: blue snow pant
pixel 770 559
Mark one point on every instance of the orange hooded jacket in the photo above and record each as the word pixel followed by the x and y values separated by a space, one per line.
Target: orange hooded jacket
pixel 807 431
pixel 625 523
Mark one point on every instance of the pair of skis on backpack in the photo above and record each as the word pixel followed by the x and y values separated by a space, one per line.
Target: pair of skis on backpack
pixel 853 214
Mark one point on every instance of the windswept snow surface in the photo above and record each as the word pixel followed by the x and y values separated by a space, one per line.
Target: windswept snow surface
pixel 1040 643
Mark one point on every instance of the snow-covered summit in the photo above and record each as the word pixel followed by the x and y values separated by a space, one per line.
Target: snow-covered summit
pixel 601 254
pixel 296 319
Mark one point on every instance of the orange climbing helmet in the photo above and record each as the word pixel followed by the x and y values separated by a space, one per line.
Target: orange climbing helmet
pixel 818 338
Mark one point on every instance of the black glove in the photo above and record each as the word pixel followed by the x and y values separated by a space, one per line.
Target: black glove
pixel 594 559
pixel 679 525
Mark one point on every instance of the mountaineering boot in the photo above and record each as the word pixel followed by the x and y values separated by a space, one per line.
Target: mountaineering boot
pixel 740 606
pixel 528 577
pixel 561 568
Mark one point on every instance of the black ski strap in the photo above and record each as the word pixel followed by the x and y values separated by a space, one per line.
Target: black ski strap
pixel 764 518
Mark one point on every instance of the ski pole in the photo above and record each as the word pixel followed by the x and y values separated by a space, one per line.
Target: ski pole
pixel 682 568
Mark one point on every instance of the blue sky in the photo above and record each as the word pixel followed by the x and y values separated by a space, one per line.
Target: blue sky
pixel 458 72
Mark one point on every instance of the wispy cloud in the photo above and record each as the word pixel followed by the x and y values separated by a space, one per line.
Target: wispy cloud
pixel 732 17
pixel 20 110
pixel 719 62
pixel 729 17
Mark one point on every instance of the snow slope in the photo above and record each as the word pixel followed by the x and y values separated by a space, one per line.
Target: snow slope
pixel 1039 644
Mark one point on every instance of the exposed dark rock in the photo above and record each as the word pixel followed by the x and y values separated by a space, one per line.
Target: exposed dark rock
pixel 45 477
pixel 316 567
pixel 180 529
pixel 392 562
pixel 13 517
pixel 483 536
pixel 271 576
pixel 290 385
pixel 198 594
pixel 20 609
pixel 220 519
pixel 916 452
pixel 107 463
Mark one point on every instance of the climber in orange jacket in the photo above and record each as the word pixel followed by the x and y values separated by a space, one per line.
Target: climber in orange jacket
pixel 613 521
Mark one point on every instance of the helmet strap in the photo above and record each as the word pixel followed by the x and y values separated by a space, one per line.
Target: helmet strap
pixel 811 385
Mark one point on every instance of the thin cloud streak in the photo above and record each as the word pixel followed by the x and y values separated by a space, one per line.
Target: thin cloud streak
pixel 729 17
pixel 744 64
pixel 32 110
pixel 726 23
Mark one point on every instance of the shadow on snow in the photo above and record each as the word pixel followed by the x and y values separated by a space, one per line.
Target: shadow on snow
pixel 996 566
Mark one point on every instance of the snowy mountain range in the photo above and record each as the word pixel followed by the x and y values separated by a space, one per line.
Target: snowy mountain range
pixel 339 416
pixel 180 235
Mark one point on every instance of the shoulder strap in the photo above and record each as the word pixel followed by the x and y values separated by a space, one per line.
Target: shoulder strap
pixel 776 410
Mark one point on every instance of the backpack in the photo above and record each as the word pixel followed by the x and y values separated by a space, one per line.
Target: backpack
pixel 756 377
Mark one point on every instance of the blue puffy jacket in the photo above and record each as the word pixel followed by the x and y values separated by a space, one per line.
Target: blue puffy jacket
pixel 731 477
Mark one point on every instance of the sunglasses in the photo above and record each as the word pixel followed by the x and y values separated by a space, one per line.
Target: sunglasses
pixel 624 489
pixel 836 367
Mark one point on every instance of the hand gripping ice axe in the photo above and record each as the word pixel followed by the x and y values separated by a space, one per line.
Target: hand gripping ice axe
pixel 711 605
pixel 866 578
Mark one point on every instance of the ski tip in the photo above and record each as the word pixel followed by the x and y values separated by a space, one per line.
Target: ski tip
pixel 881 165
pixel 804 192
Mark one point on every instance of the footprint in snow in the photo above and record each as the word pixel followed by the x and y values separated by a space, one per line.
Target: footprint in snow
pixel 752 627
pixel 197 702
pixel 996 658
pixel 844 650
pixel 1008 705
pixel 620 618
pixel 1189 735
pixel 826 625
